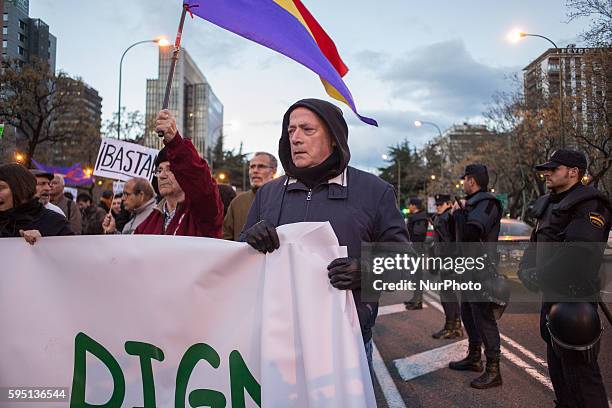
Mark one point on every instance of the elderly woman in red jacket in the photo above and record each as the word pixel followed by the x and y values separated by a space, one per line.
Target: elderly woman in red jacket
pixel 190 203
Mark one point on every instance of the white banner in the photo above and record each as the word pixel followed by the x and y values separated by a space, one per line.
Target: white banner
pixel 120 160
pixel 179 321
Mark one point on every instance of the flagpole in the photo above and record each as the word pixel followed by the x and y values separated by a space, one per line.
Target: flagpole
pixel 175 57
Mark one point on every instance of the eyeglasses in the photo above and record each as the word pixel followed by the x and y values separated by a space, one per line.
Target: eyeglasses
pixel 127 194
pixel 259 167
pixel 158 172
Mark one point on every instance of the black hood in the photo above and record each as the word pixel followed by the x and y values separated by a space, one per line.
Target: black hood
pixel 333 118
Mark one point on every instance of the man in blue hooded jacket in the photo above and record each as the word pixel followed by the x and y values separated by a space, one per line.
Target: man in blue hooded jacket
pixel 320 186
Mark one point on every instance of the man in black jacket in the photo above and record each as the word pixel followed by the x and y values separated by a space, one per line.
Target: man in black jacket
pixel 417 232
pixel 320 186
pixel 477 220
pixel 443 236
pixel 92 216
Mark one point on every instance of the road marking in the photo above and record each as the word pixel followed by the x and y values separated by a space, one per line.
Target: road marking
pixel 528 369
pixel 392 395
pixel 513 358
pixel 430 361
pixel 390 390
pixel 516 345
pixel 523 350
pixel 396 308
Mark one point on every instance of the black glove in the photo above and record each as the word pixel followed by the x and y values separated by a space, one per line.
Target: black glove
pixel 529 277
pixel 262 236
pixel 345 273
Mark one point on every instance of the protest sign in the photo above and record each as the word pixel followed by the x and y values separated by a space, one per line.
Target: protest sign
pixel 156 321
pixel 73 191
pixel 118 187
pixel 121 160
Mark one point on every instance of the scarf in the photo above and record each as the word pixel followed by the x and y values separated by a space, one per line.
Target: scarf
pixel 311 176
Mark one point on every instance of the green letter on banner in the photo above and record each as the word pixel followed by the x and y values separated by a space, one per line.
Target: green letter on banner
pixel 197 398
pixel 83 344
pixel 146 352
pixel 241 379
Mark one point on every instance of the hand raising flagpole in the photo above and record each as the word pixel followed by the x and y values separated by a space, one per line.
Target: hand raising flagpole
pixel 175 57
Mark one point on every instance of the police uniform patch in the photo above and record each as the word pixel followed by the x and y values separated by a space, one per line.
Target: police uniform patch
pixel 597 220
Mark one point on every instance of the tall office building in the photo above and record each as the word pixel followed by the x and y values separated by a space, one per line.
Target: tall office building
pixel 83 144
pixel 198 111
pixel 25 38
pixel 584 75
pixel 464 140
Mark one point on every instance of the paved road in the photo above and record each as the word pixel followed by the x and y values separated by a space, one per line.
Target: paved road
pixel 411 368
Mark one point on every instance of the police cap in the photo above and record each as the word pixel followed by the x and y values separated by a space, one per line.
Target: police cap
pixel 472 169
pixel 442 198
pixel 564 157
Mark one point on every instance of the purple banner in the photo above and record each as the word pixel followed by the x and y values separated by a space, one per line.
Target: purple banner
pixel 73 176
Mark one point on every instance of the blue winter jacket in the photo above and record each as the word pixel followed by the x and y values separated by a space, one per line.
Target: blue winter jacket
pixel 359 206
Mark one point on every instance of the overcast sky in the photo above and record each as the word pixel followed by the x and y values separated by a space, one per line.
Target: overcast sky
pixel 439 61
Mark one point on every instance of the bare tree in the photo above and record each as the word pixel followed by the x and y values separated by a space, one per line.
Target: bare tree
pixel 132 126
pixel 599 33
pixel 44 107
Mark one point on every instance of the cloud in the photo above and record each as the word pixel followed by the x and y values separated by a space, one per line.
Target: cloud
pixel 445 77
pixel 368 143
pixel 371 60
pixel 214 46
pixel 441 79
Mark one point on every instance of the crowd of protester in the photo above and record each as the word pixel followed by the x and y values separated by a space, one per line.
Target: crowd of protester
pixel 318 185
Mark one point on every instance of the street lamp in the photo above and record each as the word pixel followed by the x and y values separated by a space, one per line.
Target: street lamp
pixel 515 36
pixel 419 123
pixel 19 158
pixel 162 42
pixel 399 175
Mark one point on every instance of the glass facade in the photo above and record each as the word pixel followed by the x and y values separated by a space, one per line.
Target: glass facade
pixel 190 101
pixel 197 110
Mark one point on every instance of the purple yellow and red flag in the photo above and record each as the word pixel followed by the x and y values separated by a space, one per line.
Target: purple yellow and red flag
pixel 287 27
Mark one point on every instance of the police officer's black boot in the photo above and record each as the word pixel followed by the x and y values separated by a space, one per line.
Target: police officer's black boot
pixel 472 362
pixel 490 378
pixel 416 303
pixel 457 329
pixel 446 332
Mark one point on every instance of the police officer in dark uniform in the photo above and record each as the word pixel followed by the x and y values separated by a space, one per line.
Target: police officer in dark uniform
pixel 477 219
pixel 443 236
pixel 417 232
pixel 566 273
